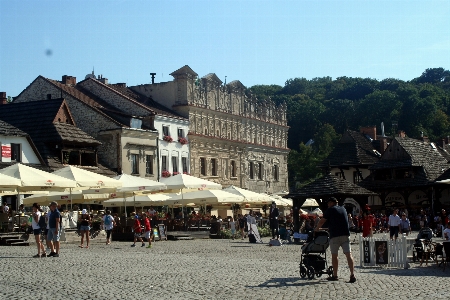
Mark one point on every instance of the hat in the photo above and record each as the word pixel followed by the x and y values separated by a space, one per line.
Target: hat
pixel 332 199
pixel 136 217
pixel 84 211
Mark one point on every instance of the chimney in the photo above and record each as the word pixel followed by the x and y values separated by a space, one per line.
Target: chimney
pixel 401 134
pixel 370 131
pixel 121 84
pixel 153 77
pixel 383 145
pixel 3 98
pixel 69 80
pixel 424 139
pixel 103 80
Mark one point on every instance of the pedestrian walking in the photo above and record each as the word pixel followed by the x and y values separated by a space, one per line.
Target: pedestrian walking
pixel 273 220
pixel 108 223
pixel 393 224
pixel 242 225
pixel 147 229
pixel 232 226
pixel 37 230
pixel 339 236
pixel 54 229
pixel 367 222
pixel 85 227
pixel 405 225
pixel 137 232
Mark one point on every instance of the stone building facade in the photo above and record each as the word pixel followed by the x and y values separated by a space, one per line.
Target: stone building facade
pixel 235 139
pixel 126 132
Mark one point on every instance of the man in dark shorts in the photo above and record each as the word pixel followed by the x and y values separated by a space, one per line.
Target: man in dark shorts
pixel 339 236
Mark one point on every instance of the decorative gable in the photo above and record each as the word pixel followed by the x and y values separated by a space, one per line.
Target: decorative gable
pixel 212 77
pixel 236 85
pixel 63 115
pixel 185 71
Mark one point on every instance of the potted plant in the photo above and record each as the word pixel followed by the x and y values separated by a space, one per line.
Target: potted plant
pixel 175 173
pixel 166 174
pixel 168 138
pixel 183 141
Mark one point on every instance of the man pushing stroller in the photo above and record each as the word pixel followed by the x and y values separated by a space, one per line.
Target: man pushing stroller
pixel 339 236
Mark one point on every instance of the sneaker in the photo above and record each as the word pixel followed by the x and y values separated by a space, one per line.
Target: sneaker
pixel 134 245
pixel 56 255
pixel 333 278
pixel 352 279
pixel 149 246
pixel 52 254
pixel 143 245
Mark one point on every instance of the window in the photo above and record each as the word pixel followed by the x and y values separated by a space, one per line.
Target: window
pixel 16 153
pixel 174 164
pixel 149 164
pixel 251 169
pixel 260 171
pixel 203 166
pixel 134 163
pixel 164 163
pixel 355 177
pixel 275 173
pixel 180 133
pixel 166 131
pixel 214 167
pixel 233 168
pixel 184 163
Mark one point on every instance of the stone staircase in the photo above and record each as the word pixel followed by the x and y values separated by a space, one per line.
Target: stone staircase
pixel 13 239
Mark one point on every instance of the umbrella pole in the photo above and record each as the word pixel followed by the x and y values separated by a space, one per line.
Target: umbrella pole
pixel 71 200
pixel 125 204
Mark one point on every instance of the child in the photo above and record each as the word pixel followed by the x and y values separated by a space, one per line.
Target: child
pixel 147 230
pixel 137 231
pixel 232 225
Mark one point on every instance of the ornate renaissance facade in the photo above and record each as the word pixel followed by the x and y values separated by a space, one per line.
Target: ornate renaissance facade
pixel 235 138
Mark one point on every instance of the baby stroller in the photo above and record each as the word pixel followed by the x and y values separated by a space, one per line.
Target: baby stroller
pixel 314 257
pixel 423 241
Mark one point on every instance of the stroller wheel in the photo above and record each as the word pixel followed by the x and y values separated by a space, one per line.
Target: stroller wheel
pixel 310 272
pixel 302 272
pixel 318 275
pixel 330 271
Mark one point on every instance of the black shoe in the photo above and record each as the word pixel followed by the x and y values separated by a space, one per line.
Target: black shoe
pixel 352 279
pixel 52 254
pixel 56 255
pixel 333 278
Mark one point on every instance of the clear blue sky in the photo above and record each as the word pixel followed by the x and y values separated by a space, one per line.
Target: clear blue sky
pixel 256 42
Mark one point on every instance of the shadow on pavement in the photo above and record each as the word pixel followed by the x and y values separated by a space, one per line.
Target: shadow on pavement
pixel 291 281
pixel 417 271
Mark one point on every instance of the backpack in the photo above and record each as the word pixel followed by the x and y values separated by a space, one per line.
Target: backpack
pixel 42 223
pixel 107 220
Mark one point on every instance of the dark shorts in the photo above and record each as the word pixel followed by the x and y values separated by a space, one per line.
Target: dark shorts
pixel 36 231
pixel 393 230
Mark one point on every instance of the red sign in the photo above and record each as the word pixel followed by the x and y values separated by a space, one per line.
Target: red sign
pixel 6 151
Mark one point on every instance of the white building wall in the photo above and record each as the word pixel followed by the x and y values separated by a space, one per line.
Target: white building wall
pixel 28 154
pixel 174 148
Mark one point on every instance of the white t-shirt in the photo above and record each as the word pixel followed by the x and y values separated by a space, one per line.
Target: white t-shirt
pixel 33 222
pixel 111 219
pixel 232 225
pixel 447 230
pixel 394 220
pixel 151 212
pixel 5 208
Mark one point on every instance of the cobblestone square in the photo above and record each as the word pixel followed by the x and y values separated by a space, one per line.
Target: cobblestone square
pixel 200 269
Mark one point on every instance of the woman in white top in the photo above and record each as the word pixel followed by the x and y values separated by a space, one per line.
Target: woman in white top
pixel 37 230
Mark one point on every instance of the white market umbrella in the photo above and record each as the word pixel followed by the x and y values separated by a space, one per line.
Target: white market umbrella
pixel 206 197
pixel 132 185
pixel 142 200
pixel 90 182
pixel 75 196
pixel 184 181
pixel 33 179
pixel 9 183
pixel 249 196
pixel 310 202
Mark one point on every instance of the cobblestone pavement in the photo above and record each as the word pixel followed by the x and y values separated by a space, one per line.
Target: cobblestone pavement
pixel 200 269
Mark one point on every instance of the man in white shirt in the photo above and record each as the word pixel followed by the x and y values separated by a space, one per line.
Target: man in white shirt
pixel 5 208
pixel 393 224
pixel 447 232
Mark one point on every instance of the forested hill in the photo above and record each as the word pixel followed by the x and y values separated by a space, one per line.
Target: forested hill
pixel 322 108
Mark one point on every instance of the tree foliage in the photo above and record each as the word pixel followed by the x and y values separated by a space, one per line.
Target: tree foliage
pixel 322 109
